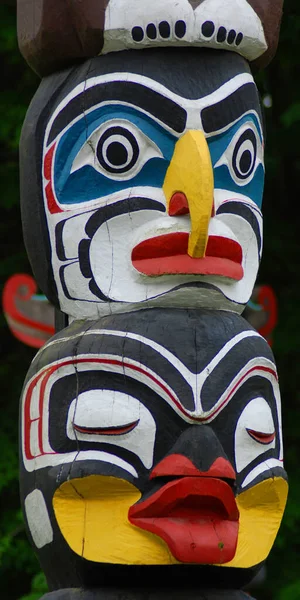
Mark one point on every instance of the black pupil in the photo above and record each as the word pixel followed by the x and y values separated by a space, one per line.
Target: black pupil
pixel 117 154
pixel 246 161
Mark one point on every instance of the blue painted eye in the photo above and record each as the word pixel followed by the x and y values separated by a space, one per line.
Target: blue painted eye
pixel 118 149
pixel 243 155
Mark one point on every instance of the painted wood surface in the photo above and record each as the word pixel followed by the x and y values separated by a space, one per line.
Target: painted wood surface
pixel 100 227
pixel 151 436
pixel 29 316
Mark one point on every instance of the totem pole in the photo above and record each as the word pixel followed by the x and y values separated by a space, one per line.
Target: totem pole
pixel 151 442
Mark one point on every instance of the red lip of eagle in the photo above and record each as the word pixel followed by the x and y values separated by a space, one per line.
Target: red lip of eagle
pixel 196 516
pixel 167 254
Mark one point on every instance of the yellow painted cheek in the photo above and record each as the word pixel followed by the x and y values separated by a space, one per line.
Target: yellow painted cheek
pixel 92 514
pixel 261 509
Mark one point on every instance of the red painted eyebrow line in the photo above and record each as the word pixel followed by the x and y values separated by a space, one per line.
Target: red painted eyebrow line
pixel 48 371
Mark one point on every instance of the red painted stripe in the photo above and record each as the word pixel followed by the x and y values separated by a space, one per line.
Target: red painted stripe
pixel 51 200
pixel 51 370
pixel 106 430
pixel 262 438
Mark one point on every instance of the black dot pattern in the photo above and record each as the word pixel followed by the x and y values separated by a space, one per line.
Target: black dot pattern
pixel 231 36
pixel 151 31
pixel 164 29
pixel 208 29
pixel 137 34
pixel 180 29
pixel 239 39
pixel 221 35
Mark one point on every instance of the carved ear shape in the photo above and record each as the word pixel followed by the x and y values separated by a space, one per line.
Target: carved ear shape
pixel 54 34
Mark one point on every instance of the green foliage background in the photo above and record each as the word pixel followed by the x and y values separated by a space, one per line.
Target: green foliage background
pixel 20 575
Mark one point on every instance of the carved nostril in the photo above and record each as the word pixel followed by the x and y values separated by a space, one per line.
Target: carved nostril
pixel 178 205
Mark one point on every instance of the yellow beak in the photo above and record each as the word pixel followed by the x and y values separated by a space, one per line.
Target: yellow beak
pixel 190 172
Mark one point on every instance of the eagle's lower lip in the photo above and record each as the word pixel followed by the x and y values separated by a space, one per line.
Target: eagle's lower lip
pixel 197 518
pixel 167 254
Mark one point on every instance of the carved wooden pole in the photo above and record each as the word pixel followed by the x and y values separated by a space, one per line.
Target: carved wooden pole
pixel 151 443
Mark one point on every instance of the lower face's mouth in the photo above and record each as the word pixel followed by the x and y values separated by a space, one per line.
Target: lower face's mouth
pixel 197 518
pixel 168 254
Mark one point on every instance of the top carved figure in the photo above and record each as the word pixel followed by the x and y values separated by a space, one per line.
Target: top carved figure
pixel 89 28
pixel 147 179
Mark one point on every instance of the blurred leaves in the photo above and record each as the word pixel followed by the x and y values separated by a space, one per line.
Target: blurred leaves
pixel 39 587
pixel 291 115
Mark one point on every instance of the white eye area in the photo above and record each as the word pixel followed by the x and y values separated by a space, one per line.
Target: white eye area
pixel 118 149
pixel 113 417
pixel 243 154
pixel 255 432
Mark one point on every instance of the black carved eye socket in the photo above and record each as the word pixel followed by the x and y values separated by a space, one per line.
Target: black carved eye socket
pixel 117 150
pixel 244 155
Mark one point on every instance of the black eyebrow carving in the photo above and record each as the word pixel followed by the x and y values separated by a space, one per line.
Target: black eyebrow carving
pixel 159 106
pixel 227 111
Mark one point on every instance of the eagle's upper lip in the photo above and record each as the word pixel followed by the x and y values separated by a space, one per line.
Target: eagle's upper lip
pixel 167 254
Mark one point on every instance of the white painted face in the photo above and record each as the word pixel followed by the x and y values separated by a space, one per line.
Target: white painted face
pixel 107 209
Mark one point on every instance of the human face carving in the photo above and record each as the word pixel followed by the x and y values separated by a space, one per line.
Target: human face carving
pixel 153 198
pixel 148 420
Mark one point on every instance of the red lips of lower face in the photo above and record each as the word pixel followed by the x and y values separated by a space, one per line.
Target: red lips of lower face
pixel 196 517
pixel 167 254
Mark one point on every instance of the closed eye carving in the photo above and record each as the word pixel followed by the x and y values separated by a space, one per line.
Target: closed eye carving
pixel 119 430
pixel 255 432
pixel 262 438
pixel 113 418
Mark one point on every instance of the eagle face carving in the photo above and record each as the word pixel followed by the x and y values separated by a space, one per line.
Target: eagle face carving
pixel 152 184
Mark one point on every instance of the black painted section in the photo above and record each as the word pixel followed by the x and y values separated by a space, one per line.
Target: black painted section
pixel 221 114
